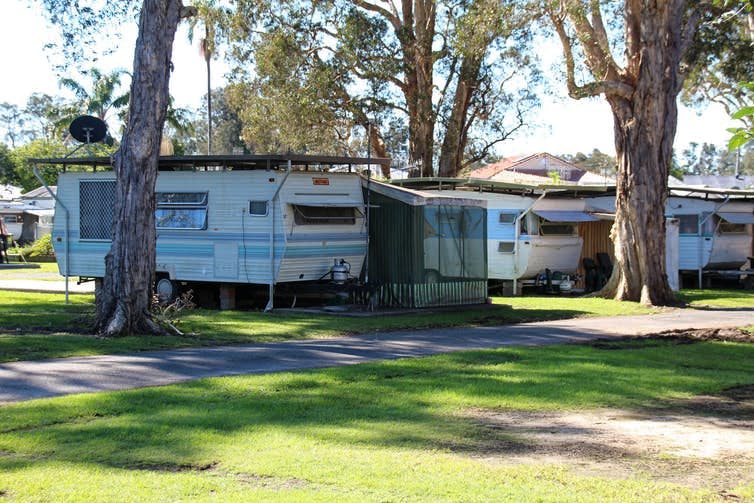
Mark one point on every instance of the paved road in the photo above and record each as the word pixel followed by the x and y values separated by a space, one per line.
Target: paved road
pixel 37 379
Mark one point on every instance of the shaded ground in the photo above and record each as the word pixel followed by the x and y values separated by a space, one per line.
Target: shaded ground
pixel 705 441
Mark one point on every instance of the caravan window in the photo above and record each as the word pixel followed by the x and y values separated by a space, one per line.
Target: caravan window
pixel 725 227
pixel 688 224
pixel 181 210
pixel 506 246
pixel 524 225
pixel 556 228
pixel 181 199
pixel 507 218
pixel 258 208
pixel 324 215
pixel 96 203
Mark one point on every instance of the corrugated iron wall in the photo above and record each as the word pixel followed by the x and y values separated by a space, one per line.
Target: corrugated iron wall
pixel 396 256
pixel 596 236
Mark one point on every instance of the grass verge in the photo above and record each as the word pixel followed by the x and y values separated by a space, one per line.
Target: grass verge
pixel 718 298
pixel 36 326
pixel 393 431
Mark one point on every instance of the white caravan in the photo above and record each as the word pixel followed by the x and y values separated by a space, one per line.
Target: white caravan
pixel 714 232
pixel 527 234
pixel 253 226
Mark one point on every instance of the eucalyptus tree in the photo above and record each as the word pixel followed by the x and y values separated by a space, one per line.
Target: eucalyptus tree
pixel 227 126
pixel 47 117
pixel 123 304
pixel 640 76
pixel 12 121
pixel 321 68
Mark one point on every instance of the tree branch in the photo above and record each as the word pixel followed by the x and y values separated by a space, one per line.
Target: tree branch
pixel 390 16
pixel 607 87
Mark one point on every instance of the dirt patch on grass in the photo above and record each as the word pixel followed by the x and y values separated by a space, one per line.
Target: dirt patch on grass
pixel 174 467
pixel 675 337
pixel 273 483
pixel 705 442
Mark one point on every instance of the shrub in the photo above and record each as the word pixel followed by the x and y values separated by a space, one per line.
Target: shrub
pixel 42 246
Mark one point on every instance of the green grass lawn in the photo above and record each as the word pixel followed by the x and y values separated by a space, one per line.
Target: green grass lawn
pixel 718 298
pixel 396 431
pixel 35 326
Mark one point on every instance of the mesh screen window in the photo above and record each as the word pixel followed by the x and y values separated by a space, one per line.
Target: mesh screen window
pixel 96 202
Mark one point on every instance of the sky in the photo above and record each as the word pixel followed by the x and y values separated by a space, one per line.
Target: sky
pixel 562 125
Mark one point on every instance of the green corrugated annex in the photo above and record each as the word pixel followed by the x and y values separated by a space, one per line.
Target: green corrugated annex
pixel 426 251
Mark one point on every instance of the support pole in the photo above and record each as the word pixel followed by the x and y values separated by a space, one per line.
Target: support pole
pixel 271 293
pixel 366 212
pixel 67 241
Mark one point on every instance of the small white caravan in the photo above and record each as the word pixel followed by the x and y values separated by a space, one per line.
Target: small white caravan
pixel 713 234
pixel 526 234
pixel 714 226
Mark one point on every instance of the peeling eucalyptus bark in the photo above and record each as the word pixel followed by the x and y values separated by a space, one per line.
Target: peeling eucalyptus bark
pixel 642 96
pixel 123 305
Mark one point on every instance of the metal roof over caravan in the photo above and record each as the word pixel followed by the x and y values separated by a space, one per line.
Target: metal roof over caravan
pixel 247 161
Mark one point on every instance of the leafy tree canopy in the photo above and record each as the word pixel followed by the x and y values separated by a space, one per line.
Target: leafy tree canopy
pixel 720 59
pixel 308 74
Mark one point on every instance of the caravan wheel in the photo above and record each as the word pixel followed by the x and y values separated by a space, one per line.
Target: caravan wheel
pixel 166 290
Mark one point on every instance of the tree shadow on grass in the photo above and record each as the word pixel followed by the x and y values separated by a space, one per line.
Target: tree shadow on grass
pixel 404 404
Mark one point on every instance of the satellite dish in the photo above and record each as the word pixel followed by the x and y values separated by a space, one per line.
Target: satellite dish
pixel 88 129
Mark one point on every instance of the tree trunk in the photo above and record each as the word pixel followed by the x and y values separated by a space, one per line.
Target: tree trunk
pixel 379 148
pixel 418 62
pixel 123 307
pixel 645 126
pixel 456 131
pixel 639 230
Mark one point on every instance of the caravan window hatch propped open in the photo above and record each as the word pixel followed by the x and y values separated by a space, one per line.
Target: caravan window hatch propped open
pixel 325 214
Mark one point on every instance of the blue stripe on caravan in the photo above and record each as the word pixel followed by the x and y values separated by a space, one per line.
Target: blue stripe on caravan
pixel 215 236
pixel 87 247
pixel 263 237
pixel 258 252
pixel 295 238
pixel 185 249
pixel 251 250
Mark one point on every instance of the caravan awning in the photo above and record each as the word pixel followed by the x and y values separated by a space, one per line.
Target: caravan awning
pixel 737 218
pixel 566 216
pixel 328 204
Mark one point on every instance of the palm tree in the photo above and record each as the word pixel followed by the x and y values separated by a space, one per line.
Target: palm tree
pixel 100 98
pixel 211 17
